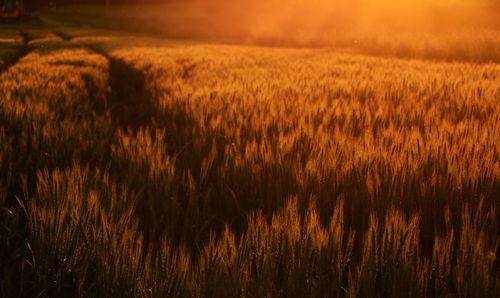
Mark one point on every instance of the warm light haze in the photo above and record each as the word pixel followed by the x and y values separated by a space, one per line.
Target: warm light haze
pixel 321 20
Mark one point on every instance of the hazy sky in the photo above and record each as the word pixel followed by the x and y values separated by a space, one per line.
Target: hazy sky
pixel 321 14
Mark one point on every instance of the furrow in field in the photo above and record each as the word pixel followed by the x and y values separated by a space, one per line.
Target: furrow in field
pixel 63 35
pixel 16 47
pixel 130 101
pixel 12 49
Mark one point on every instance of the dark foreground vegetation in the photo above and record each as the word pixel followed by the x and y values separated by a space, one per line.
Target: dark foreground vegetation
pixel 137 167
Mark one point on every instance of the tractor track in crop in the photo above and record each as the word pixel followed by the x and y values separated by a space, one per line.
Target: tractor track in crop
pixel 130 102
pixel 63 35
pixel 22 51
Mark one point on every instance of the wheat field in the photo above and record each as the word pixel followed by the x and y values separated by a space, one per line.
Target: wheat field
pixel 139 167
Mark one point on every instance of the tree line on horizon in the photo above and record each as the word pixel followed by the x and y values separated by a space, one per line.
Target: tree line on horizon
pixel 35 4
pixel 31 5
